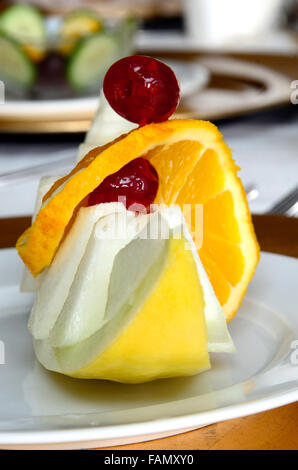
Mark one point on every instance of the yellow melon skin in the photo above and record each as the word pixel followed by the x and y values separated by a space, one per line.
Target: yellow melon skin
pixel 168 336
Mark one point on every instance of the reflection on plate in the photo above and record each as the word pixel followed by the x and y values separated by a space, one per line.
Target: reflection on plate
pixel 77 414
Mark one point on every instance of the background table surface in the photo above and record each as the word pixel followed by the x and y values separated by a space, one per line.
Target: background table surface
pixel 274 429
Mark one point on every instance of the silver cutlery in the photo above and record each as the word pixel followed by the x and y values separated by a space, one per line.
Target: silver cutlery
pixel 39 170
pixel 252 192
pixel 288 205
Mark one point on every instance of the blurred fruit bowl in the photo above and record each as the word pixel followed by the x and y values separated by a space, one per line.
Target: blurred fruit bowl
pixel 47 57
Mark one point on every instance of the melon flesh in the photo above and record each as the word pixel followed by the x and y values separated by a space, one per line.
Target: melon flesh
pixel 168 335
pixel 144 311
pixel 86 308
pixel 162 334
pixel 58 278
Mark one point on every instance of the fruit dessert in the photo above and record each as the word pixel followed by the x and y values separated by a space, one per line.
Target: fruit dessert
pixel 143 252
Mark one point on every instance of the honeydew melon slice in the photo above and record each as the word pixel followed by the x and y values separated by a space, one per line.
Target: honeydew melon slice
pixel 160 320
pixel 131 266
pixel 84 310
pixel 58 278
pixel 162 334
pixel 64 360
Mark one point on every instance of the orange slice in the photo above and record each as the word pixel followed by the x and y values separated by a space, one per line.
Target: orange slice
pixel 195 167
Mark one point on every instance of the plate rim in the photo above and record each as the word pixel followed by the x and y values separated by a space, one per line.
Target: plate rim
pixel 119 431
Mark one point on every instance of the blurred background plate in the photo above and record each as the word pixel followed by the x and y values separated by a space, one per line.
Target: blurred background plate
pixel 192 77
pixel 212 88
pixel 236 87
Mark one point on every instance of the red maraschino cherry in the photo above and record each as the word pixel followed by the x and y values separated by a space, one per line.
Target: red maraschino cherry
pixel 137 181
pixel 142 89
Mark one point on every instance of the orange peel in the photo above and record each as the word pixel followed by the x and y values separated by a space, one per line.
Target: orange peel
pixel 195 166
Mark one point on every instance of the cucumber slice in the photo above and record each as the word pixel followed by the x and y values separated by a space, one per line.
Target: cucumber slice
pixel 23 23
pixel 91 59
pixel 80 23
pixel 14 64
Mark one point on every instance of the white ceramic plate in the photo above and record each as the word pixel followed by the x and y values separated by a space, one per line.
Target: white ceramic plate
pixel 44 410
pixel 191 76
